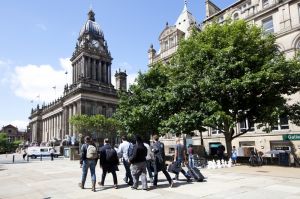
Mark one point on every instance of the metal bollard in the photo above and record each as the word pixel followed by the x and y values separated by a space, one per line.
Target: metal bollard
pixel 13 158
pixel 41 157
pixel 27 158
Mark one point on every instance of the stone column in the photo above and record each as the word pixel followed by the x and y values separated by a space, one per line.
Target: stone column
pixel 100 71
pixel 69 124
pixel 88 64
pixel 105 72
pixel 109 73
pixel 93 69
pixel 74 113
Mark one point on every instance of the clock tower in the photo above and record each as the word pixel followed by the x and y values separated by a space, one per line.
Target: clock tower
pixel 91 60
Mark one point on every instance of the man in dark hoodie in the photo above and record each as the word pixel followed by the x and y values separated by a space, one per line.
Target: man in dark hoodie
pixel 138 164
pixel 108 162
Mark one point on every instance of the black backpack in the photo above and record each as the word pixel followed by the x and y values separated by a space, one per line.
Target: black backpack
pixel 158 148
pixel 111 156
pixel 130 150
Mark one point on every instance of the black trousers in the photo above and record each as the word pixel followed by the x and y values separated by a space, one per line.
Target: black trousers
pixel 104 172
pixel 163 169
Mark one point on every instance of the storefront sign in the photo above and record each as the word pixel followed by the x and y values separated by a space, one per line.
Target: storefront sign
pixel 291 137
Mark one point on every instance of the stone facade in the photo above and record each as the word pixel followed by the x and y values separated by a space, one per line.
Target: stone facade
pixel 14 134
pixel 90 93
pixel 279 17
pixel 171 36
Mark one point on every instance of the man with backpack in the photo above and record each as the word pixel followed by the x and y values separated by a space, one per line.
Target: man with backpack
pixel 108 162
pixel 159 161
pixel 123 150
pixel 88 160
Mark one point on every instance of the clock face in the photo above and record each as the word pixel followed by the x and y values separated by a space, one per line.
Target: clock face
pixel 95 43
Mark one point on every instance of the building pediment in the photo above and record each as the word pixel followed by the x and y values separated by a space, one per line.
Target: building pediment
pixel 169 30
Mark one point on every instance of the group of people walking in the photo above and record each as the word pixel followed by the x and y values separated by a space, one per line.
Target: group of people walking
pixel 138 159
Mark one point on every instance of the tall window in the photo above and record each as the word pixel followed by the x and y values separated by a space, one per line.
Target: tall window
pixel 265 3
pixel 221 19
pixel 246 125
pixel 283 123
pixel 267 25
pixel 299 12
pixel 236 16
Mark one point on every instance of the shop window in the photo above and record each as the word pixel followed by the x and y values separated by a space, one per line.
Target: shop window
pixel 267 25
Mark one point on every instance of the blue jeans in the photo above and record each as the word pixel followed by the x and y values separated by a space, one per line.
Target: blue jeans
pixel 191 161
pixel 88 164
pixel 128 172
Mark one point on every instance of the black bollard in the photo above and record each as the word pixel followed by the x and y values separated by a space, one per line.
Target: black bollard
pixel 13 158
pixel 27 158
pixel 41 157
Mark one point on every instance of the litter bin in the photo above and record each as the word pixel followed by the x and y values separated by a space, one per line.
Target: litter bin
pixel 66 152
pixel 283 159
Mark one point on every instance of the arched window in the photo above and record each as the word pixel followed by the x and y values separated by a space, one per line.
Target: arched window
pixel 236 16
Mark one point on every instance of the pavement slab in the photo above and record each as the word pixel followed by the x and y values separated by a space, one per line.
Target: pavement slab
pixel 48 179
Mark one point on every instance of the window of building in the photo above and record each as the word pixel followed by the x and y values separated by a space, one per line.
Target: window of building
pixel 236 16
pixel 215 131
pixel 166 45
pixel 172 42
pixel 283 123
pixel 221 19
pixel 246 125
pixel 299 12
pixel 267 25
pixel 265 3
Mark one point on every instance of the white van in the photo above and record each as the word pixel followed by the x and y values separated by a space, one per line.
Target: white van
pixel 36 151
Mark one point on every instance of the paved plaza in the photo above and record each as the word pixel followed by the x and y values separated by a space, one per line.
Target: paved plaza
pixel 59 179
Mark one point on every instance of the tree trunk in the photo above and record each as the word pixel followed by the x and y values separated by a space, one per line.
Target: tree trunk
pixel 228 146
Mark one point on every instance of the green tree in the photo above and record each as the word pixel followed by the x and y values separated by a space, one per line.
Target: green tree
pixel 96 125
pixel 235 72
pixel 3 142
pixel 143 107
pixel 5 145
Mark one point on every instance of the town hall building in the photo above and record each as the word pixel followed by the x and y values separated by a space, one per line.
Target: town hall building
pixel 90 93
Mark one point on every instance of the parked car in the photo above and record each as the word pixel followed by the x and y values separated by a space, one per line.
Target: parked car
pixel 36 151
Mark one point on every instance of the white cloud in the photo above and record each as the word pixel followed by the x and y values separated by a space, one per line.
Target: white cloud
pixel 4 71
pixel 21 125
pixel 40 82
pixel 42 27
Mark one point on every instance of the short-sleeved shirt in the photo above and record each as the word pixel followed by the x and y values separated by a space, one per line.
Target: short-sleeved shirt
pixel 180 151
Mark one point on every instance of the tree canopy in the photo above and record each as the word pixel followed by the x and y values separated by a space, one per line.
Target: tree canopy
pixel 223 75
pixel 97 126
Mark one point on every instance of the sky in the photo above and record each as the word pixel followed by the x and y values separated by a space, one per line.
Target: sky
pixel 38 38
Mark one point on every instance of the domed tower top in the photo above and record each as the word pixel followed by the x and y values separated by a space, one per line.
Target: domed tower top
pixel 91 27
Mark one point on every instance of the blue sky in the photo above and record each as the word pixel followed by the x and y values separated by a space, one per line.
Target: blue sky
pixel 38 37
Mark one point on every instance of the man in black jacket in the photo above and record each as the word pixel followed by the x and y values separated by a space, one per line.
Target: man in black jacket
pixel 108 162
pixel 138 164
pixel 159 162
